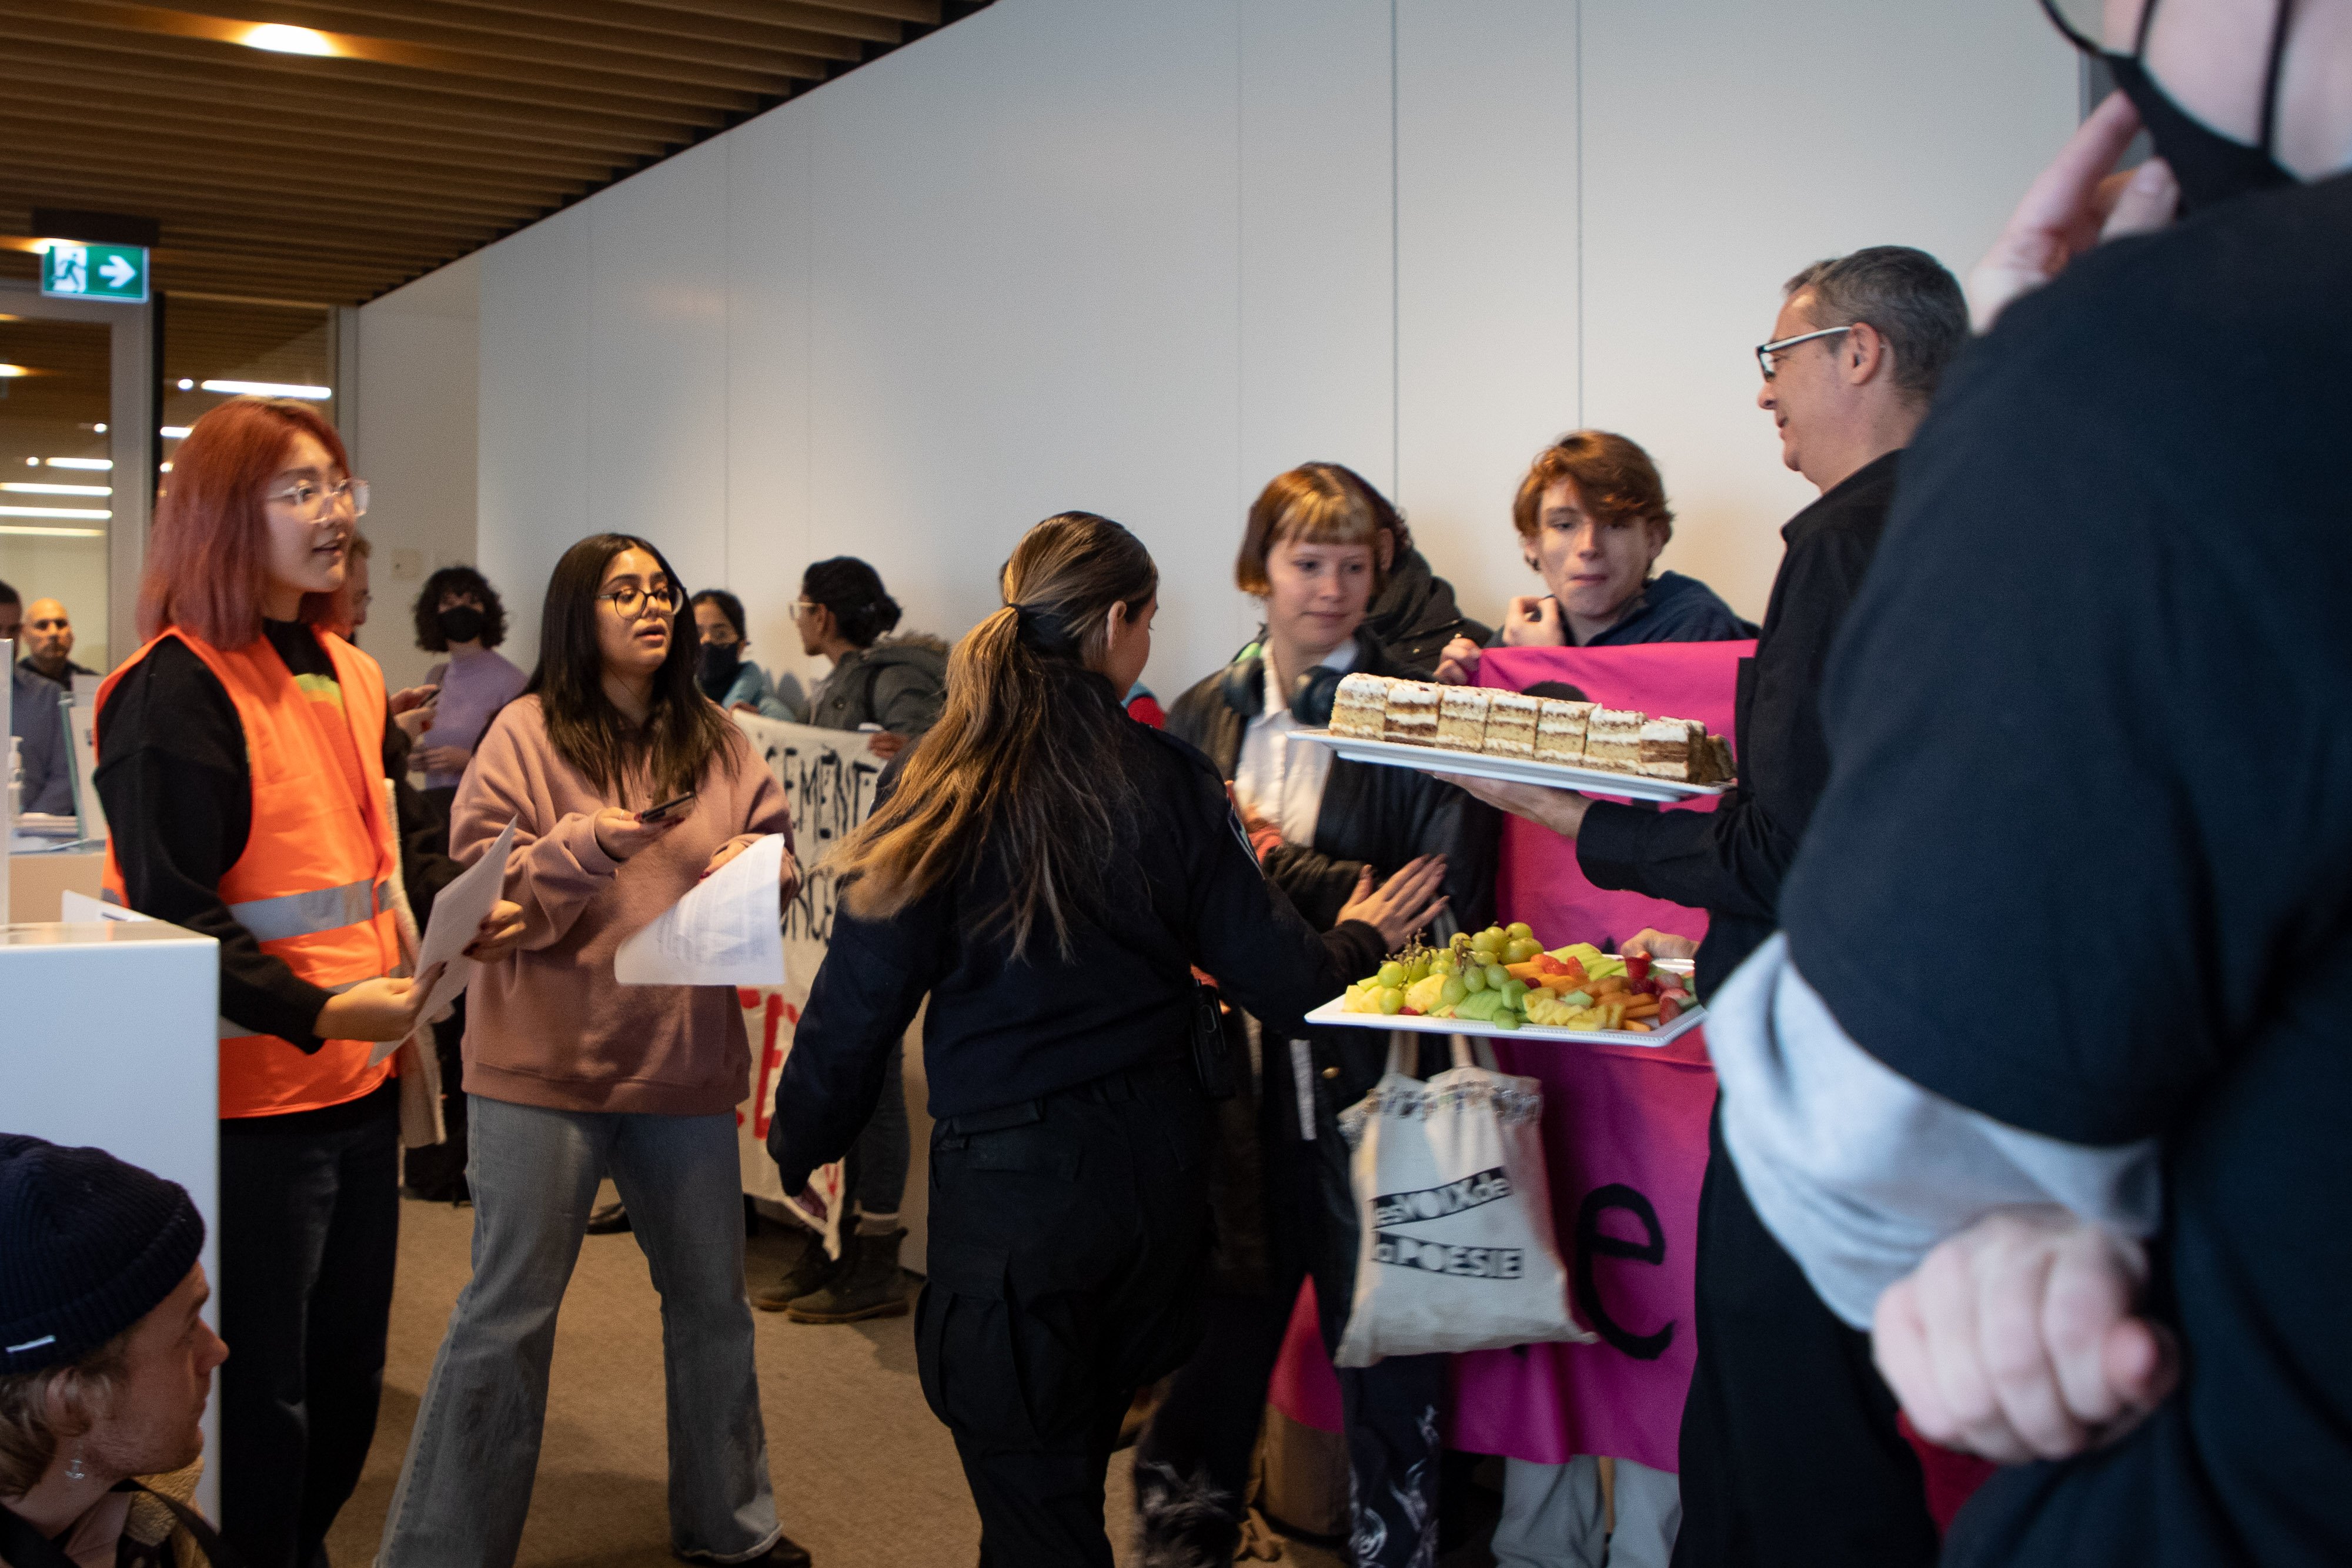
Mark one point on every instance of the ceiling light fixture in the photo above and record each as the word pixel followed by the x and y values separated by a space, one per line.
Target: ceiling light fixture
pixel 54 512
pixel 9 372
pixel 280 40
pixel 20 532
pixel 28 489
pixel 93 463
pixel 174 432
pixel 188 385
pixel 271 389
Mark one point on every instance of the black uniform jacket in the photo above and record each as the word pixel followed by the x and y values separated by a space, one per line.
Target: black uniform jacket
pixel 1380 817
pixel 1730 862
pixel 1184 889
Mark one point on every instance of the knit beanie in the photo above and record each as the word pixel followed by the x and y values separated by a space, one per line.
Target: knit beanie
pixel 88 1246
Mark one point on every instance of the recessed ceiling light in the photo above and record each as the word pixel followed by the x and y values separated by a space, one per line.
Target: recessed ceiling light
pixel 92 462
pixel 271 389
pixel 188 385
pixel 31 489
pixel 21 531
pixel 99 428
pixel 280 40
pixel 53 512
pixel 9 372
pixel 174 432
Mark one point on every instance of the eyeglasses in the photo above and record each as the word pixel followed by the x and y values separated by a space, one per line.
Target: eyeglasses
pixel 801 607
pixel 1764 351
pixel 306 497
pixel 630 603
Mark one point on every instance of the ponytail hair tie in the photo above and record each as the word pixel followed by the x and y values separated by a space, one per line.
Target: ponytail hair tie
pixel 1041 630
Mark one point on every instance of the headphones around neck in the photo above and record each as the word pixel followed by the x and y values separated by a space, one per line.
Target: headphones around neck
pixel 1312 692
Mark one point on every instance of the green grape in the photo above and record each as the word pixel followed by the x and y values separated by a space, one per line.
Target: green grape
pixel 1417 971
pixel 1391 1000
pixel 1443 963
pixel 1452 992
pixel 1473 979
pixel 1519 930
pixel 1487 941
pixel 1498 976
pixel 1392 973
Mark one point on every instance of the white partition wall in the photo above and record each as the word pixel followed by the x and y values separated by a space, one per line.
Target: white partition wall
pixel 1140 257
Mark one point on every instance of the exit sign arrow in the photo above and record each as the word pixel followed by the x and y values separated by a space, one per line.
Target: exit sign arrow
pixel 73 271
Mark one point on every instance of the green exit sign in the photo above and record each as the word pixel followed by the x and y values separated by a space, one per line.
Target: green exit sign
pixel 70 271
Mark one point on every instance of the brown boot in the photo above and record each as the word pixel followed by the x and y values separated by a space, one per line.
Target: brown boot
pixel 868 1284
pixel 811 1269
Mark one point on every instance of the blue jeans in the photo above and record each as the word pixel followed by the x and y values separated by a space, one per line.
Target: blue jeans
pixel 465 1486
pixel 874 1177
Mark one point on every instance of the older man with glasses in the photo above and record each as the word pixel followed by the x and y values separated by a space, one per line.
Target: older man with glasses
pixel 1789 1449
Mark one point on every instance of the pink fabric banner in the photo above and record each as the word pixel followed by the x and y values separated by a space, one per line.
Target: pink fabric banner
pixel 1624 1136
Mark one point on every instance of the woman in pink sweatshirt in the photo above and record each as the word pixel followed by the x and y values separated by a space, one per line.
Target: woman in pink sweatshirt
pixel 571 1076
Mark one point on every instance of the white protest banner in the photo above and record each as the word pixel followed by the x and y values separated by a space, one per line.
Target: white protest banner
pixel 829 777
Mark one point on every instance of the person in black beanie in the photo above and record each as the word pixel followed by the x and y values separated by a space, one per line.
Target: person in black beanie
pixel 105 1359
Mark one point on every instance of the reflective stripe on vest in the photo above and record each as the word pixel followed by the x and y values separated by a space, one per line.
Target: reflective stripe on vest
pixel 309 914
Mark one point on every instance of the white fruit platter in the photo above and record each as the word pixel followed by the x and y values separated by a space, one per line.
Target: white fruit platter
pixel 1333 1014
pixel 1509 770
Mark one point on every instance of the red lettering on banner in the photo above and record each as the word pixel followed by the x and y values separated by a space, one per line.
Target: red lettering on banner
pixel 772 1056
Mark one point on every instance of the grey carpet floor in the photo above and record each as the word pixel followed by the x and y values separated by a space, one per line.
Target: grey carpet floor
pixel 865 1478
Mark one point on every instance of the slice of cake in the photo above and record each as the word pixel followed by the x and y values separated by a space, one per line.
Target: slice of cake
pixel 1359 708
pixel 1411 713
pixel 1559 731
pixel 1511 724
pixel 1674 748
pixel 1461 717
pixel 1613 740
pixel 1718 750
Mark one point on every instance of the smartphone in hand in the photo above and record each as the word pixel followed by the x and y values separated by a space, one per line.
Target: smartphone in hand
pixel 666 808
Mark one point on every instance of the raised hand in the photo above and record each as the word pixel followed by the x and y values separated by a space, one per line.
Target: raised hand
pixel 1402 906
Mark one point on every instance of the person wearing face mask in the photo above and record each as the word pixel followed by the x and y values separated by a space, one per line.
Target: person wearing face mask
pixel 457 612
pixel 1592 520
pixel 2087 1222
pixel 725 675
pixel 1789 1451
pixel 240 759
pixel 1311 553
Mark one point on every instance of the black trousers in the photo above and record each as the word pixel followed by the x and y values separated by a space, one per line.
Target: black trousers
pixel 1192 1465
pixel 310 1232
pixel 1791 1456
pixel 1069 1239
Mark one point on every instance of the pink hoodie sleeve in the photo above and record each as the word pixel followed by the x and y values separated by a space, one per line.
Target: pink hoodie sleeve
pixel 556 866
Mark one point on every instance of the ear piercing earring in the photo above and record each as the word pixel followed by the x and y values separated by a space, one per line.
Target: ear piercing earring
pixel 74 1472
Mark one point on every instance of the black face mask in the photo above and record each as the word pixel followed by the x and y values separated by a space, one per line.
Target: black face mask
pixel 716 670
pixel 461 622
pixel 2210 166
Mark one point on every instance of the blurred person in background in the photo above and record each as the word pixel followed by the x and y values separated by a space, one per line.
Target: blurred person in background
pixel 47 641
pixel 897 685
pixel 36 721
pixel 241 761
pixel 457 612
pixel 2089 1213
pixel 1593 519
pixel 106 1363
pixel 725 675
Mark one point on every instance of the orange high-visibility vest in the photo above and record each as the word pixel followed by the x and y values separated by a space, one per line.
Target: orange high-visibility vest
pixel 314 882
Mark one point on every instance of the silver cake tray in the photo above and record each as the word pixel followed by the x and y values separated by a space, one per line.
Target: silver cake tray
pixel 1509 769
pixel 1332 1015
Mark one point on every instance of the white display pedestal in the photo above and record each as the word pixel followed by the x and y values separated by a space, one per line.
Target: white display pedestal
pixel 109 1038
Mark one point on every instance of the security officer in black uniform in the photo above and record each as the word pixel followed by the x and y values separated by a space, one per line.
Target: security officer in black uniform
pixel 1049 873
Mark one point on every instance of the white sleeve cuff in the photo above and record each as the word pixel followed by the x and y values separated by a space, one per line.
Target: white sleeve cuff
pixel 1858 1170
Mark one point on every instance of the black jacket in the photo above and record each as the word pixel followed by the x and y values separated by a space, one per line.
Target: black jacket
pixel 1730 862
pixel 1380 817
pixel 1415 616
pixel 1185 889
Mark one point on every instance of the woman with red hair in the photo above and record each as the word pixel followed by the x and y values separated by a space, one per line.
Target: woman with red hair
pixel 241 762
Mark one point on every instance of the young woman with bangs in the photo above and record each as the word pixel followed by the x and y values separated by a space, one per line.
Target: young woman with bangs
pixel 241 763
pixel 1312 554
pixel 1049 871
pixel 571 1076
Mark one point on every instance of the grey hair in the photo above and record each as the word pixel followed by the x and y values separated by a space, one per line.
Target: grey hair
pixel 1911 299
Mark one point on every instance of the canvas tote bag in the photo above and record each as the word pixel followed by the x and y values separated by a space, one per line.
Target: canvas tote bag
pixel 1457 1250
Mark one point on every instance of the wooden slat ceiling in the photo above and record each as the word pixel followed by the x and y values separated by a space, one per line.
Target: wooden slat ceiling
pixel 436 128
